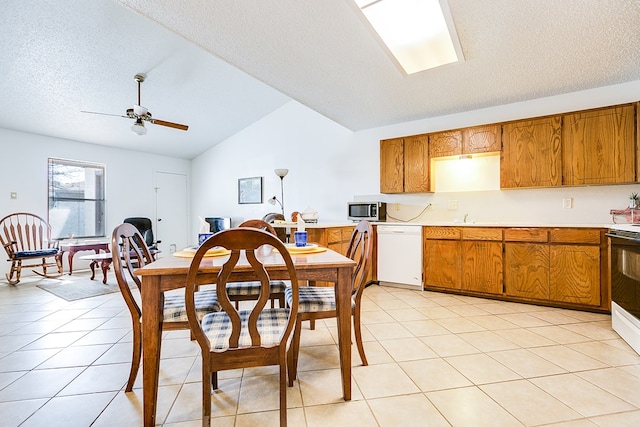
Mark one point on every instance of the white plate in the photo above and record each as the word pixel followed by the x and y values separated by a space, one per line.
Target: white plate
pixel 307 246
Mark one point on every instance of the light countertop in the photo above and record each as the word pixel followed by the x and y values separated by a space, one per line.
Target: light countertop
pixel 630 227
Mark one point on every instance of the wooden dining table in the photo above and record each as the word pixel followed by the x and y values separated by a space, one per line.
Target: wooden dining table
pixel 170 273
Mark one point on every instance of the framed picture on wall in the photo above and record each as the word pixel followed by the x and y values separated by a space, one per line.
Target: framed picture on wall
pixel 250 190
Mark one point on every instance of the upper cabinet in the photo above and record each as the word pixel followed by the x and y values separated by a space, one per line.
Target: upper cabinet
pixel 531 153
pixel 481 139
pixel 599 146
pixel 442 144
pixel 392 165
pixel 404 165
pixel 581 148
pixel 477 139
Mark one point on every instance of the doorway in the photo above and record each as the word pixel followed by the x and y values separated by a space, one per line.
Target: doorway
pixel 172 212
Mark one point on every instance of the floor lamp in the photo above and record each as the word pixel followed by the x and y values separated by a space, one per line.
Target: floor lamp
pixel 281 173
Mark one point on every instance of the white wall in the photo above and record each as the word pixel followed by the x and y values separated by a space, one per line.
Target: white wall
pixel 330 165
pixel 129 180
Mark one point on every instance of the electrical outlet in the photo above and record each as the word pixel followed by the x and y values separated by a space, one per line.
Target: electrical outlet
pixel 452 205
pixel 397 206
pixel 567 203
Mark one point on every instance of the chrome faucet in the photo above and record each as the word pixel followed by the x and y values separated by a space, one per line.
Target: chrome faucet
pixel 465 218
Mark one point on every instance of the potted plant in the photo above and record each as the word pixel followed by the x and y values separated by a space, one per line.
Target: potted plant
pixel 634 203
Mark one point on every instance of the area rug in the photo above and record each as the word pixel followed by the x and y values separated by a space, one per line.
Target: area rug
pixel 75 289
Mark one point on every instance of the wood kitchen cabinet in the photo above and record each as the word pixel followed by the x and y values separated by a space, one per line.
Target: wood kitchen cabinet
pixel 482 260
pixel 575 266
pixel 473 140
pixel 531 153
pixel 481 139
pixel 337 239
pixel 404 165
pixel 526 263
pixel 560 265
pixel 392 165
pixel 442 144
pixel 442 257
pixel 599 146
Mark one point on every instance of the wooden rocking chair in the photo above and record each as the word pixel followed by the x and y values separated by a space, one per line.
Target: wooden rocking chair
pixel 27 238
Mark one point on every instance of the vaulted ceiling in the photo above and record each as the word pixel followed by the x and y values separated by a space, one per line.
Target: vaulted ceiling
pixel 219 66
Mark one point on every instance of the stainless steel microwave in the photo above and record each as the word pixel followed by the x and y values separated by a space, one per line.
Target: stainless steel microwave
pixel 369 211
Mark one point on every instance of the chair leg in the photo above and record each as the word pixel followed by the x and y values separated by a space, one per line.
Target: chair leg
pixel 15 269
pixel 293 352
pixel 137 353
pixel 214 380
pixel 357 327
pixel 283 393
pixel 207 375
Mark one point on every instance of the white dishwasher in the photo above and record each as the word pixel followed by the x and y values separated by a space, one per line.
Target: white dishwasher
pixel 400 256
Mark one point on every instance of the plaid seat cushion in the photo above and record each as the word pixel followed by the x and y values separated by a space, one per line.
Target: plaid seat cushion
pixel 253 288
pixel 175 310
pixel 313 299
pixel 271 324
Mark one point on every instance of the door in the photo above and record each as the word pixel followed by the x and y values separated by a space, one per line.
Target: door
pixel 172 225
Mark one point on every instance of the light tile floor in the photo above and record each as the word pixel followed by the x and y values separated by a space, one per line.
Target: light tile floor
pixel 434 359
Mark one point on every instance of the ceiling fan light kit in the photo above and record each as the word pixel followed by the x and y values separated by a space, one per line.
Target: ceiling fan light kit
pixel 138 128
pixel 141 114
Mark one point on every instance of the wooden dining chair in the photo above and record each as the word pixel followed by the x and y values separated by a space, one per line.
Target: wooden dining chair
pixel 248 291
pixel 319 302
pixel 129 252
pixel 232 338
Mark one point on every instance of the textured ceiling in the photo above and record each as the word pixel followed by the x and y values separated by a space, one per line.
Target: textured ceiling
pixel 220 65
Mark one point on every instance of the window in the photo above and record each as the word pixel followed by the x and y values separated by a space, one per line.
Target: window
pixel 76 198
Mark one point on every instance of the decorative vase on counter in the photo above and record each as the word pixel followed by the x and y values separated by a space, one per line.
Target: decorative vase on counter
pixel 309 215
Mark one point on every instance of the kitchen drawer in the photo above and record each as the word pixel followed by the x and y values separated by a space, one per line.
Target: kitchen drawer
pixel 480 233
pixel 446 233
pixel 575 235
pixel 526 235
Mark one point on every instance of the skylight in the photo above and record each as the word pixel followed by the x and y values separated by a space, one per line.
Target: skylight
pixel 418 33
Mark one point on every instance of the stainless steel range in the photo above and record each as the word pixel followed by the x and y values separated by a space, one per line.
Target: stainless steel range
pixel 624 245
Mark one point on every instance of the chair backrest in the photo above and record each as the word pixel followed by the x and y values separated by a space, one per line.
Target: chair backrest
pixel 129 252
pixel 361 251
pixel 254 246
pixel 259 224
pixel 29 232
pixel 144 226
pixel 271 218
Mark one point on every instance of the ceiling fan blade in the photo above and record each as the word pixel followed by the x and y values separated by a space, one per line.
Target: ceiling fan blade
pixel 169 124
pixel 104 114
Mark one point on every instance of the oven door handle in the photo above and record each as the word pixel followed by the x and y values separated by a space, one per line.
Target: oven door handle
pixel 617 236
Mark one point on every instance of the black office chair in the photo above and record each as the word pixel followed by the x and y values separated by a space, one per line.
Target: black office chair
pixel 144 226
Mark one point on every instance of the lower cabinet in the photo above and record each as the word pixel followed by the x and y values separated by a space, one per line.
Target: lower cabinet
pixel 574 274
pixel 526 268
pixel 337 239
pixel 442 257
pixel 556 266
pixel 482 260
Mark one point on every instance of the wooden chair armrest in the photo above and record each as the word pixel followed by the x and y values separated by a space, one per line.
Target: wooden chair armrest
pixel 11 248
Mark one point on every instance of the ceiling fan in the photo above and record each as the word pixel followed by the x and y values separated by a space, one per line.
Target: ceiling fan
pixel 141 114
